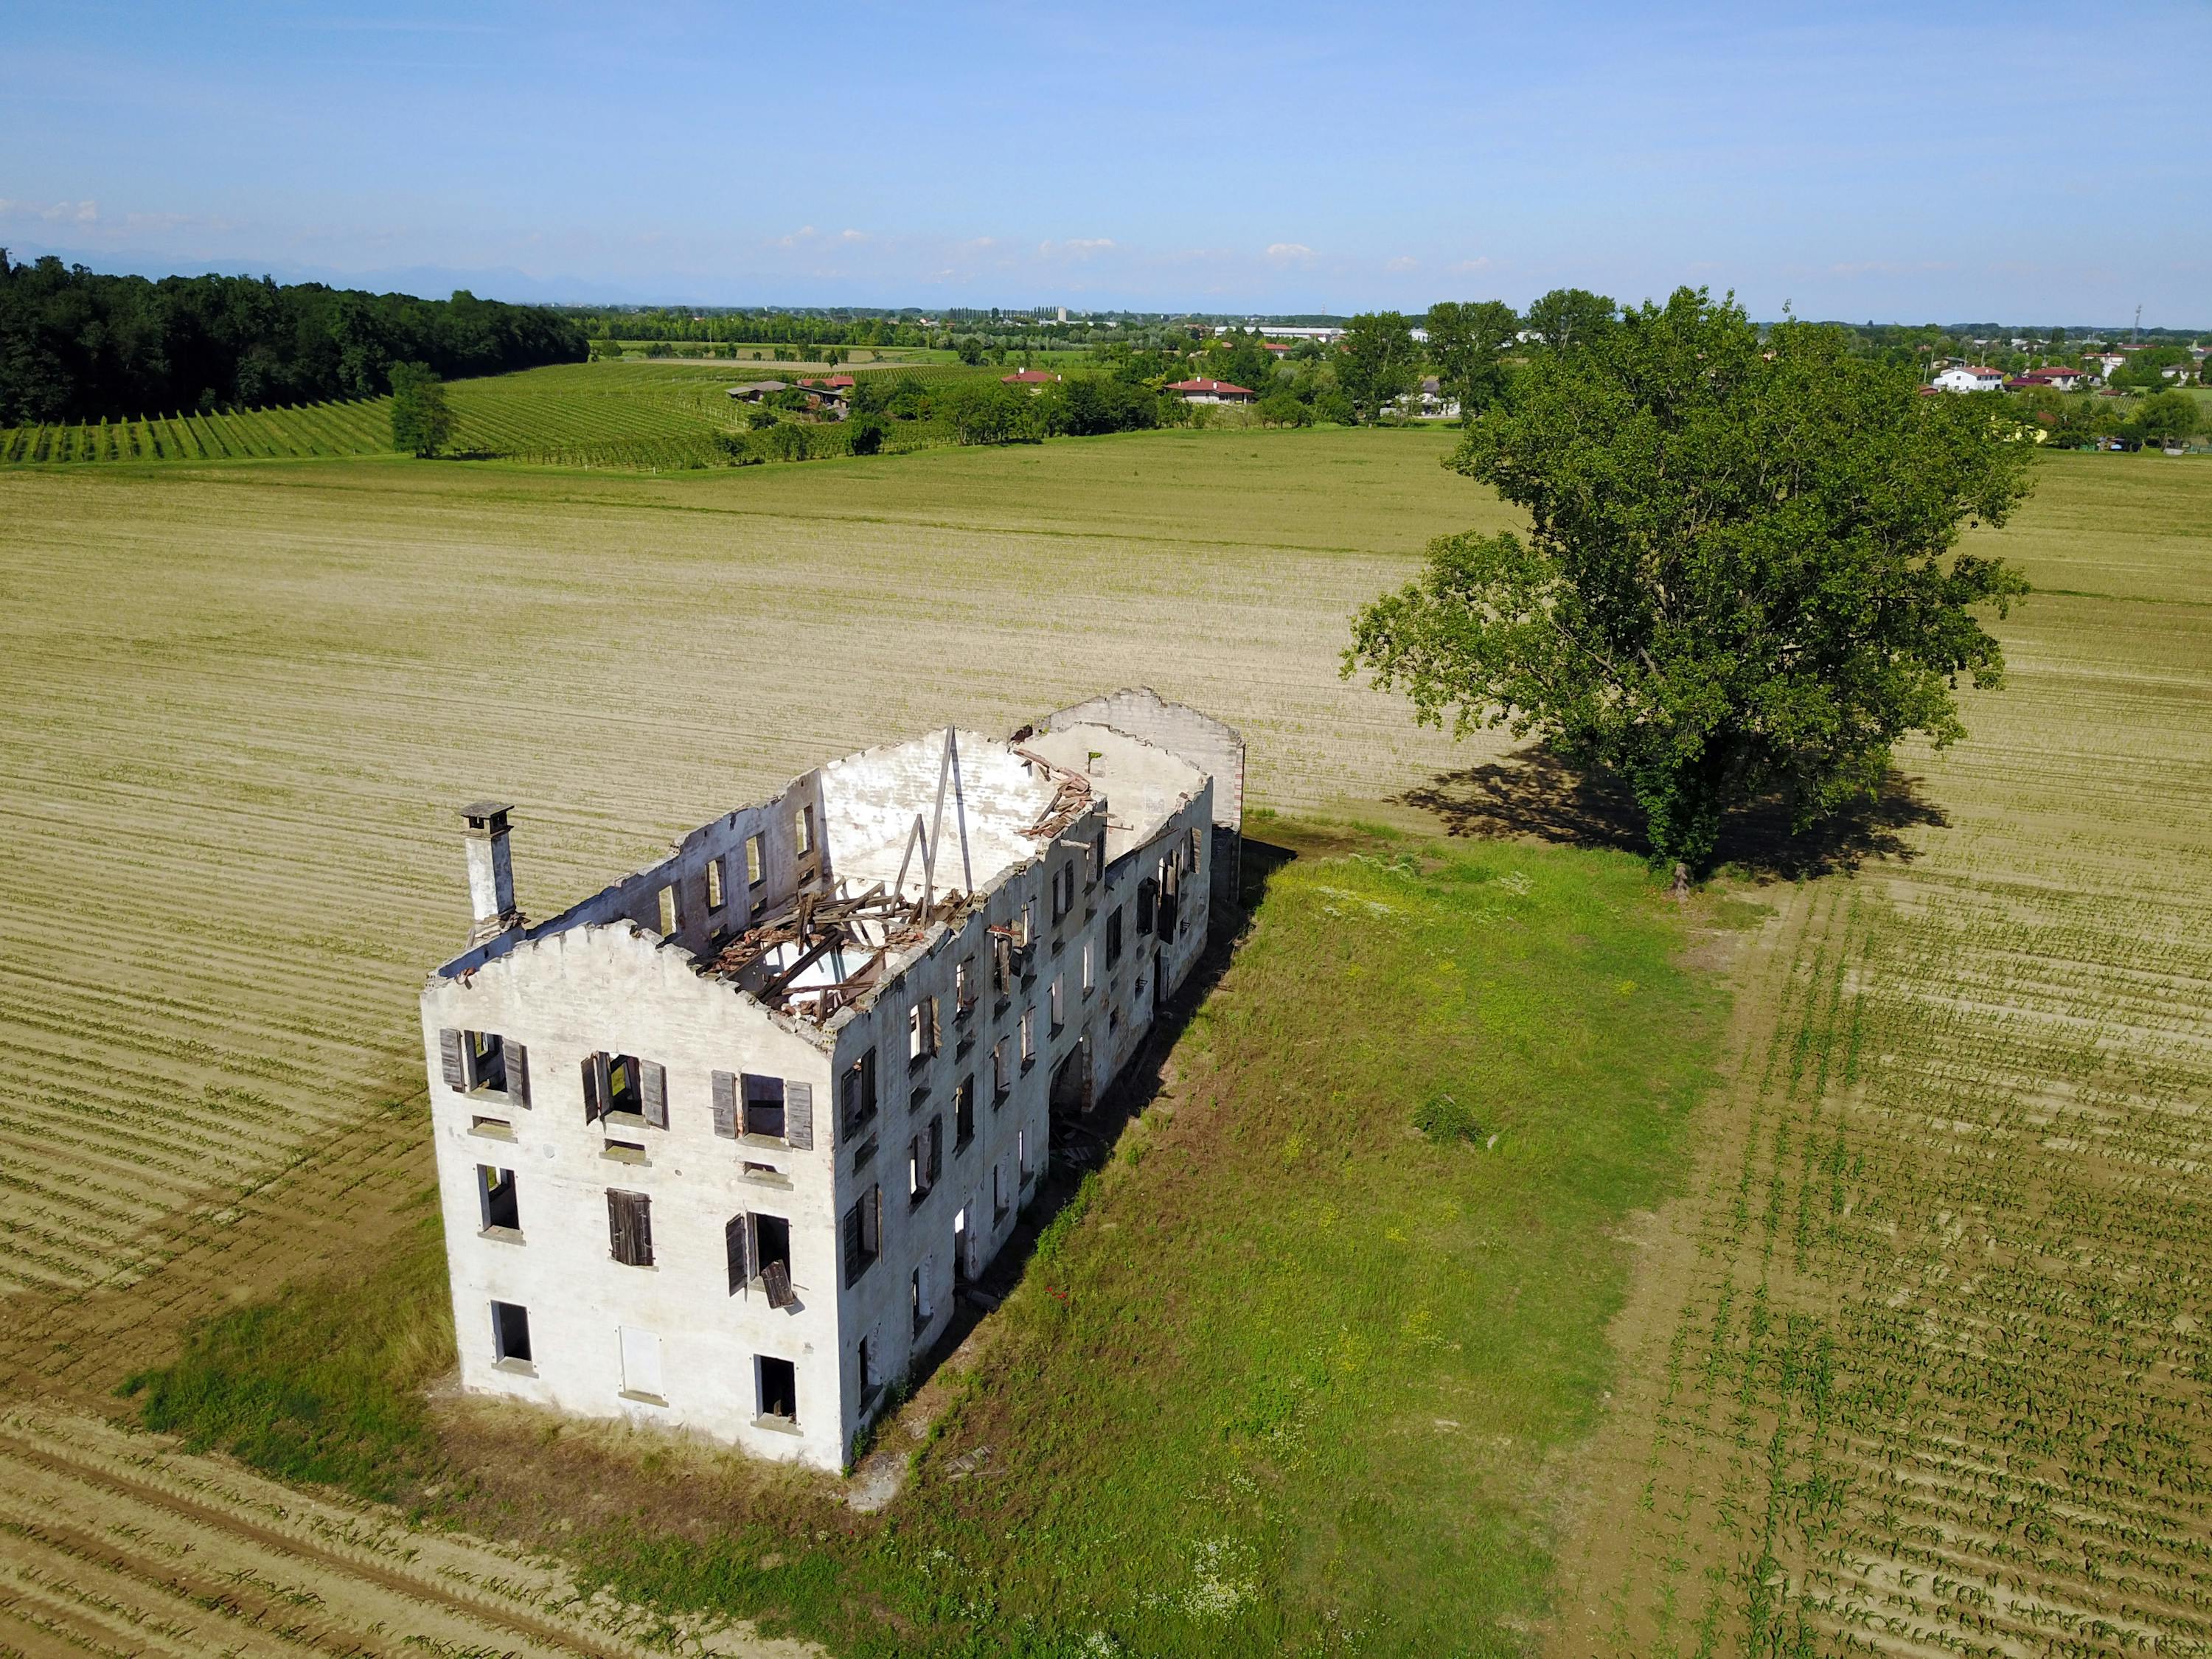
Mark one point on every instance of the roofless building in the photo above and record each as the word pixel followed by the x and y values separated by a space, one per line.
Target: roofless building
pixel 717 1146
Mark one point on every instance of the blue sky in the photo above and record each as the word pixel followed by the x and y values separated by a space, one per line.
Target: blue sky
pixel 1914 162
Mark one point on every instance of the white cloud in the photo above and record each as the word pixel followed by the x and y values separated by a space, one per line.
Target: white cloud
pixel 51 213
pixel 1403 262
pixel 1285 253
pixel 852 235
pixel 1076 247
pixel 804 234
pixel 1468 267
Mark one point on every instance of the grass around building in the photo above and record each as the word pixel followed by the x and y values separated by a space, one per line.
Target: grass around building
pixel 1288 1374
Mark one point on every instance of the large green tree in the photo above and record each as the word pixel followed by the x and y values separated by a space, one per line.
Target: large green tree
pixel 1570 316
pixel 1467 344
pixel 1377 362
pixel 420 421
pixel 1740 575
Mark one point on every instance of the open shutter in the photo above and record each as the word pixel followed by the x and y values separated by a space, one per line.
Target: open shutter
pixel 653 1085
pixel 852 1244
pixel 597 1088
pixel 618 1238
pixel 454 1059
pixel 726 1105
pixel 518 1073
pixel 640 1223
pixel 798 1116
pixel 775 1278
pixel 736 1234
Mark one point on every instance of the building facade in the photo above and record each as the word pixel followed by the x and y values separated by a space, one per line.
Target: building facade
pixel 717 1146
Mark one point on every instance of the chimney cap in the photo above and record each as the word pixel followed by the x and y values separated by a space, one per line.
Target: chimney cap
pixel 489 816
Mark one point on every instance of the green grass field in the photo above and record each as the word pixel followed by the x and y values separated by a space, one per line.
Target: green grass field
pixel 643 415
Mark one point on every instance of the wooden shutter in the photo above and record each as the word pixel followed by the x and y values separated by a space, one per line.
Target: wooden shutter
pixel 597 1088
pixel 641 1221
pixel 798 1116
pixel 726 1105
pixel 736 1234
pixel 653 1085
pixel 518 1073
pixel 775 1278
pixel 619 1233
pixel 453 1058
pixel 852 1244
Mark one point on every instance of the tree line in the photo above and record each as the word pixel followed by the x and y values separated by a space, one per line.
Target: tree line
pixel 76 345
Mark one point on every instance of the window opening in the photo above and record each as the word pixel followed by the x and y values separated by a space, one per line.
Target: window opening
pixel 671 918
pixel 964 986
pixel 510 1332
pixel 863 1234
pixel 756 861
pixel 715 895
pixel 802 830
pixel 486 1060
pixel 772 1258
pixel 495 1198
pixel 1057 1002
pixel 859 1101
pixel 1113 937
pixel 921 1028
pixel 779 1389
pixel 1028 1035
pixel 1090 970
pixel 918 1290
pixel 1001 1077
pixel 963 1113
pixel 764 1098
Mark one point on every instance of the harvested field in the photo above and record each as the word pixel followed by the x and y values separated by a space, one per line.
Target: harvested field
pixel 1924 1368
pixel 109 1545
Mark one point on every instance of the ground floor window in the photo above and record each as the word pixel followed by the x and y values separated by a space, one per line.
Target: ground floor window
pixel 779 1389
pixel 510 1332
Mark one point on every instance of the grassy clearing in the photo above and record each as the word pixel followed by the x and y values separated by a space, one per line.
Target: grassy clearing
pixel 324 1381
pixel 1287 1376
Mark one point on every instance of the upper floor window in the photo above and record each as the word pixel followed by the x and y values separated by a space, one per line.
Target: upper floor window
pixel 921 1028
pixel 859 1103
pixel 630 1228
pixel 470 1060
pixel 715 897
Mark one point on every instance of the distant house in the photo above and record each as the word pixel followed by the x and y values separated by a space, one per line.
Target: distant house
pixel 1213 392
pixel 1031 378
pixel 2107 361
pixel 1970 377
pixel 827 394
pixel 1428 402
pixel 1280 347
pixel 828 383
pixel 2065 380
pixel 753 390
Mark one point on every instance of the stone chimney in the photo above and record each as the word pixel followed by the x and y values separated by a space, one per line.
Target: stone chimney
pixel 491 872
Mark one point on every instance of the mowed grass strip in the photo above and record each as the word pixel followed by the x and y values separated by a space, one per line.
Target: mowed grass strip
pixel 1289 1373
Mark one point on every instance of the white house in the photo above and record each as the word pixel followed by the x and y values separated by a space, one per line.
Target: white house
pixel 716 1145
pixel 1970 377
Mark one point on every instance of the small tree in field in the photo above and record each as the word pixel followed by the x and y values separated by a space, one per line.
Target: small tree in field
pixel 420 421
pixel 1740 575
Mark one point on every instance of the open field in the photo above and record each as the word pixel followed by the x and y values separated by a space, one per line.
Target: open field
pixel 1958 1141
pixel 661 414
pixel 1929 1371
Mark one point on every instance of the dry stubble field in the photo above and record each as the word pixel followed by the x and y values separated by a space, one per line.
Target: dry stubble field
pixel 237 705
pixel 1920 1368
pixel 1922 1365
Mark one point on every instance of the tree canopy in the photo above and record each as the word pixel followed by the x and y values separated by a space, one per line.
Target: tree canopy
pixel 1741 572
pixel 421 420
pixel 1378 362
pixel 1570 316
pixel 1467 343
pixel 77 346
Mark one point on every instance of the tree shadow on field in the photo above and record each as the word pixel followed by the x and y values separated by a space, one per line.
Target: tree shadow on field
pixel 1533 793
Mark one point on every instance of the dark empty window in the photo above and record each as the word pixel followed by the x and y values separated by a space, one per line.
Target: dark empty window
pixel 860 1098
pixel 510 1332
pixel 963 1113
pixel 612 1083
pixel 779 1389
pixel 486 1060
pixel 496 1197
pixel 772 1257
pixel 630 1228
pixel 1146 889
pixel 763 1105
pixel 1113 937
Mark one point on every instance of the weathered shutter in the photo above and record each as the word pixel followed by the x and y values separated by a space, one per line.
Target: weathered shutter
pixel 518 1073
pixel 775 1278
pixel 736 1233
pixel 618 1238
pixel 653 1085
pixel 798 1116
pixel 597 1087
pixel 642 1228
pixel 454 1059
pixel 852 1244
pixel 726 1105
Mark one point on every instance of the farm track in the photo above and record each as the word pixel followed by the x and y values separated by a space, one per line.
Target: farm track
pixel 1921 1366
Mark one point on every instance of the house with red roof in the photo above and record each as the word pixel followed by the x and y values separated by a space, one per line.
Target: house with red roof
pixel 1031 378
pixel 1970 377
pixel 1213 392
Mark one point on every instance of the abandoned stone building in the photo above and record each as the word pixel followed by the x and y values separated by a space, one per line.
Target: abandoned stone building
pixel 717 1145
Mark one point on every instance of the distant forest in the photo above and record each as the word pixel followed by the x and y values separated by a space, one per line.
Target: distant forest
pixel 78 346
